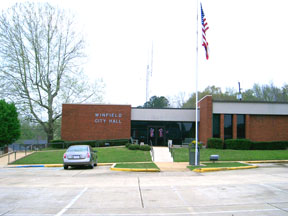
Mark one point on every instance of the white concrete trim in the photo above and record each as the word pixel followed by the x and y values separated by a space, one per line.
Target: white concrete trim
pixel 250 108
pixel 181 115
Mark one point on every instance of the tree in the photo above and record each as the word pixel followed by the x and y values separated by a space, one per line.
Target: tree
pixel 31 131
pixel 157 102
pixel 178 100
pixel 270 93
pixel 216 93
pixel 40 62
pixel 257 93
pixel 9 123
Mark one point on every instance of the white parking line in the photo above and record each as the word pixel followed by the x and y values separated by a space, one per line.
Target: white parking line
pixel 71 202
pixel 182 213
pixel 179 195
pixel 272 187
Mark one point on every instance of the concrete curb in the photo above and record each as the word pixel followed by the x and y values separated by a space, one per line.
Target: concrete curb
pixel 133 169
pixel 53 165
pixel 25 166
pixel 222 169
pixel 266 161
pixel 48 165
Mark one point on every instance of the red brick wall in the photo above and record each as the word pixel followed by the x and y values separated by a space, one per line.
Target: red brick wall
pixel 205 126
pixel 234 125
pixel 268 128
pixel 221 126
pixel 247 126
pixel 95 122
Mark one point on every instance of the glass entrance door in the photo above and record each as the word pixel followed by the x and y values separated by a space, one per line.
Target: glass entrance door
pixel 157 135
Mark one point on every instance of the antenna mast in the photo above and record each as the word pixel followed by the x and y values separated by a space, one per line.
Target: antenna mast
pixel 239 95
pixel 149 71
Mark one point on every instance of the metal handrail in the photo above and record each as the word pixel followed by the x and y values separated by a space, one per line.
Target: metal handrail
pixel 152 150
pixel 170 147
pixel 14 152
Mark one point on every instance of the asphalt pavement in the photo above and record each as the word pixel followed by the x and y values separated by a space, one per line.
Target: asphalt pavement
pixel 100 191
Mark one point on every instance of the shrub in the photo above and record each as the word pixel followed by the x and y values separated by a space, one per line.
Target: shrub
pixel 100 143
pixel 103 143
pixel 275 145
pixel 193 143
pixel 238 144
pixel 134 147
pixel 59 144
pixel 216 143
pixel 145 147
pixel 127 145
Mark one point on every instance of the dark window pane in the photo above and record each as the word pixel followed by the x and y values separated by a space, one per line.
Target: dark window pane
pixel 228 126
pixel 216 125
pixel 240 126
pixel 175 131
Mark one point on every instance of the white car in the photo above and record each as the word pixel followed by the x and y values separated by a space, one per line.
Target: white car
pixel 80 155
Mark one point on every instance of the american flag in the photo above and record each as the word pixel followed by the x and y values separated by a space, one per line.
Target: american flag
pixel 204 29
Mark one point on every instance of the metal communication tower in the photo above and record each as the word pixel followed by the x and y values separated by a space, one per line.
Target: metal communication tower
pixel 149 71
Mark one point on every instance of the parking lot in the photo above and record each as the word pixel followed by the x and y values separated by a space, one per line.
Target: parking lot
pixel 55 191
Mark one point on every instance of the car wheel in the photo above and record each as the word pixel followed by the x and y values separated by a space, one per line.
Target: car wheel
pixel 95 164
pixel 92 165
pixel 65 167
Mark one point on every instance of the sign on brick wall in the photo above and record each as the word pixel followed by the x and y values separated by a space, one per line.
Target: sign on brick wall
pixel 108 118
pixel 95 122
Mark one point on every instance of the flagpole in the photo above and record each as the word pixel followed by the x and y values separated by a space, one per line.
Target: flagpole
pixel 196 78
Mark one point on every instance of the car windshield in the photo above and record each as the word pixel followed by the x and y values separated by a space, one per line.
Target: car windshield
pixel 77 149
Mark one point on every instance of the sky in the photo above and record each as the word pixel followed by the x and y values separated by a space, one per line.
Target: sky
pixel 247 41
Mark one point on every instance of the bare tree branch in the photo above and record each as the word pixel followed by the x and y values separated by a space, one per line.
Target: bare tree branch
pixel 40 53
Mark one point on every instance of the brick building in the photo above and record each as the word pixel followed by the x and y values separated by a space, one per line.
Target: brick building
pixel 257 121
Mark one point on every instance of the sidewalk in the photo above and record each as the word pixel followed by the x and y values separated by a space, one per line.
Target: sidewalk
pixel 164 160
pixel 162 154
pixel 170 166
pixel 4 159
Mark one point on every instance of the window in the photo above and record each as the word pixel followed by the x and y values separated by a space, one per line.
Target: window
pixel 176 131
pixel 240 126
pixel 228 126
pixel 216 125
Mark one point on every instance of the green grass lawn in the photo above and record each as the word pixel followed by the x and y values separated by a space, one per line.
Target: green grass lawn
pixel 181 154
pixel 47 157
pixel 217 165
pixel 105 155
pixel 137 165
pixel 122 154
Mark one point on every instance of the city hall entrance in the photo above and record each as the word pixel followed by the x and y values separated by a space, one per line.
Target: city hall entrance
pixel 157 135
pixel 159 132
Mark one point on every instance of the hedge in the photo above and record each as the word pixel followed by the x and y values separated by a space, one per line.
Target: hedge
pixel 93 143
pixel 133 146
pixel 145 147
pixel 274 145
pixel 138 147
pixel 246 144
pixel 215 143
pixel 60 144
pixel 238 144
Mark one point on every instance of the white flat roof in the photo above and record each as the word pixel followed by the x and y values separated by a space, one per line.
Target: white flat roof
pixel 146 114
pixel 253 108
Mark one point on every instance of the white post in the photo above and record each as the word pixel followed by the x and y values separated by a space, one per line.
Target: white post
pixel 196 78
